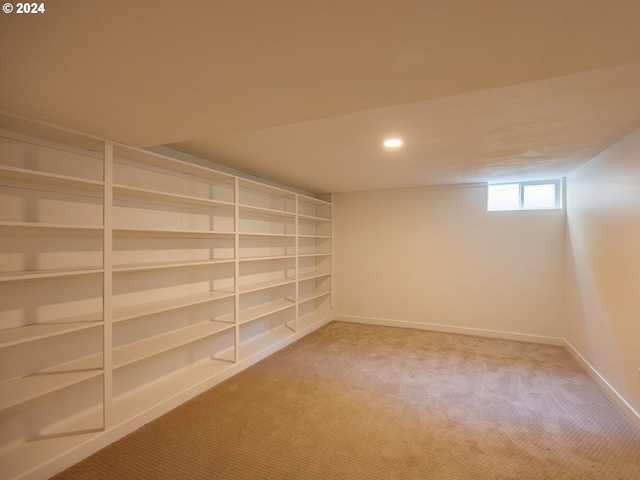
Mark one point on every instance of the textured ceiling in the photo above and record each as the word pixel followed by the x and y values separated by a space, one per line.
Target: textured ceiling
pixel 303 93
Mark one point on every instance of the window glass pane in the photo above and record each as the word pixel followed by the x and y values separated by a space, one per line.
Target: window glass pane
pixel 539 196
pixel 504 197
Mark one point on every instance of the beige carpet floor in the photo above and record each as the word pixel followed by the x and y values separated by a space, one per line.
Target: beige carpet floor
pixel 367 402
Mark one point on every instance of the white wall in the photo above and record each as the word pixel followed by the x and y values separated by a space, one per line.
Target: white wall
pixel 603 265
pixel 434 255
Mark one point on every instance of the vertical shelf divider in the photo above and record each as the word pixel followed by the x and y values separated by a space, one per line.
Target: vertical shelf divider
pixel 333 257
pixel 328 197
pixel 297 266
pixel 107 307
pixel 236 280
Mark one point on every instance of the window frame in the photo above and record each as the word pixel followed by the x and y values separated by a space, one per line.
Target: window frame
pixel 558 203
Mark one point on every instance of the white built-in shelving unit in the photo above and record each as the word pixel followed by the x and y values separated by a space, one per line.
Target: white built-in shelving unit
pixel 131 282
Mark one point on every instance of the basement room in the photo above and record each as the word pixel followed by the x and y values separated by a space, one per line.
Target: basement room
pixel 287 240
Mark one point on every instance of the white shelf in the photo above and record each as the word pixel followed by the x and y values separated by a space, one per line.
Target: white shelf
pixel 313 201
pixel 257 286
pixel 169 233
pixel 266 212
pixel 313 218
pixel 242 229
pixel 264 258
pixel 35 228
pixel 43 130
pixel 152 394
pixel 44 181
pixel 52 273
pixel 309 276
pixel 29 333
pixel 136 351
pixel 316 237
pixel 164 265
pixel 254 313
pixel 311 319
pixel 266 189
pixel 141 310
pixel 305 297
pixel 309 255
pixel 33 386
pixel 267 235
pixel 149 158
pixel 91 362
pixel 30 455
pixel 257 344
pixel 152 196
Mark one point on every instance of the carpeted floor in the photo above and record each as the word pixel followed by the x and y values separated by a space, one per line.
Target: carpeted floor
pixel 367 402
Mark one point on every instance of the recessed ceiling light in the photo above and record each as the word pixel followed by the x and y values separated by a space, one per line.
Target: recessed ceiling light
pixel 393 142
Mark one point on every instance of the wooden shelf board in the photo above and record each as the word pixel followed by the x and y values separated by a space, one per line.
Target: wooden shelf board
pixel 155 393
pixel 254 313
pixel 248 209
pixel 255 345
pixel 254 287
pixel 268 189
pixel 309 255
pixel 261 259
pixel 311 319
pixel 33 386
pixel 316 237
pixel 178 264
pixel 134 311
pixel 312 275
pixel 92 362
pixel 313 201
pixel 34 453
pixel 152 232
pixel 157 160
pixel 42 180
pixel 140 194
pixel 18 124
pixel 149 347
pixel 52 273
pixel 29 333
pixel 313 218
pixel 266 235
pixel 35 228
pixel 305 297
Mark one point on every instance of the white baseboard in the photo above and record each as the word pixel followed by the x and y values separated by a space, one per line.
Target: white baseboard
pixel 478 332
pixel 611 392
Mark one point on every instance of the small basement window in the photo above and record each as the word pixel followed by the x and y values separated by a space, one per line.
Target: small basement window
pixel 538 195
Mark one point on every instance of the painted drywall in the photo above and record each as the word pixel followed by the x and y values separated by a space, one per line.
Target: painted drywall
pixel 603 265
pixel 434 257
